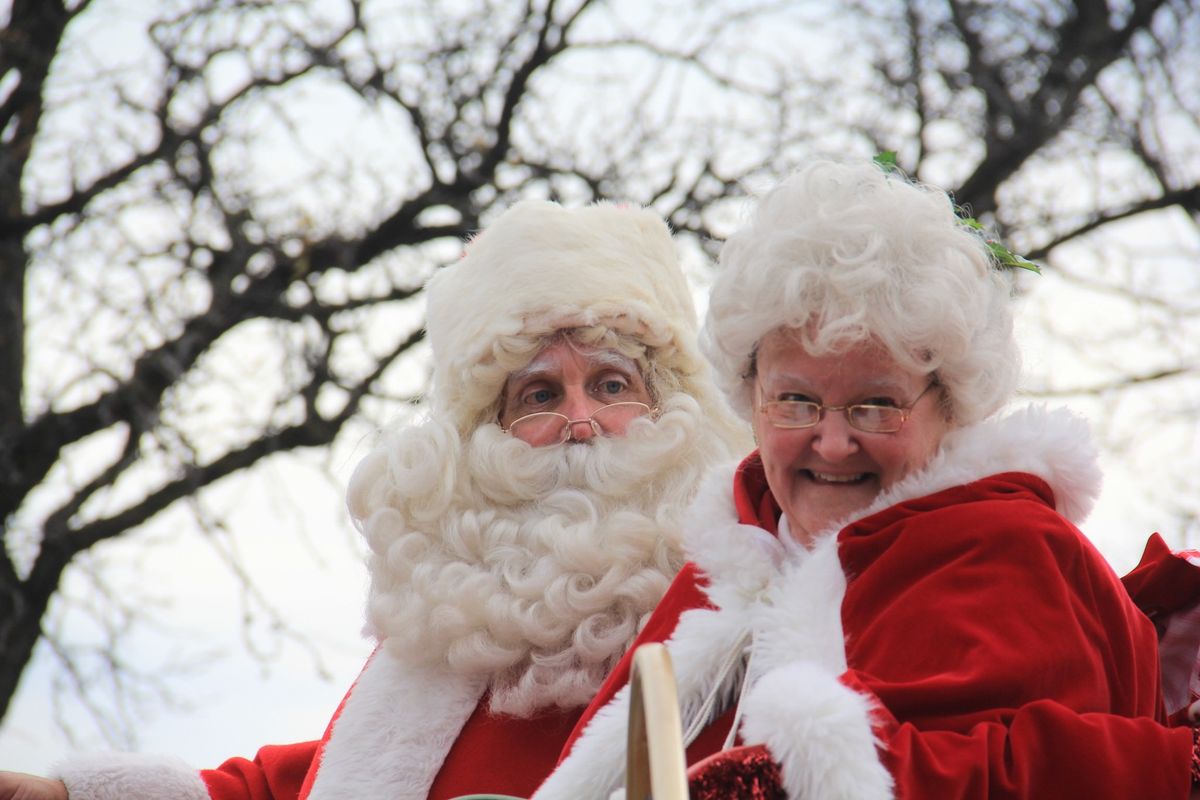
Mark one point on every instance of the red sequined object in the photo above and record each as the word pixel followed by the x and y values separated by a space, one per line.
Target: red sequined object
pixel 741 773
pixel 1196 756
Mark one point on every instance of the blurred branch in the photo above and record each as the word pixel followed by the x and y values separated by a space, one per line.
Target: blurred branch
pixel 1186 199
pixel 1016 128
pixel 1107 387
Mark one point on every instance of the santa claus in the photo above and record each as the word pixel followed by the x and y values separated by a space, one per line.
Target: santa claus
pixel 519 536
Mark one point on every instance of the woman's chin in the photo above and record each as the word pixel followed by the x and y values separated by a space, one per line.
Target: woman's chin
pixel 816 503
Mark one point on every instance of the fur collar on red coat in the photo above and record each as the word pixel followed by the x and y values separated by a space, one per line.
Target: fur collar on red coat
pixel 818 728
pixel 394 732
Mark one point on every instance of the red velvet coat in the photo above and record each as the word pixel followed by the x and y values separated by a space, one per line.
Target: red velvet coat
pixel 959 639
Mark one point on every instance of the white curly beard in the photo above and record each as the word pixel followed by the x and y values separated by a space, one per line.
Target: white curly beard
pixel 532 567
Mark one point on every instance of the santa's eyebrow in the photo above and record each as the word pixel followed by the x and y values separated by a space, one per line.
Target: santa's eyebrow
pixel 537 367
pixel 540 365
pixel 611 358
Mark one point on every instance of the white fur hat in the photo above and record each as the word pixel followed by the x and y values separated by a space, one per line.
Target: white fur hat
pixel 539 268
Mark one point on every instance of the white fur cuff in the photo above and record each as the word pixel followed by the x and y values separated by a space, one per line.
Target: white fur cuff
pixel 122 776
pixel 820 733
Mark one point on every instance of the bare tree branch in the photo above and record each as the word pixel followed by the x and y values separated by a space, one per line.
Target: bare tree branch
pixel 1110 386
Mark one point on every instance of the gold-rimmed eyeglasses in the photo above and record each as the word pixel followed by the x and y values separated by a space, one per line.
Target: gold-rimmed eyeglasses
pixel 545 428
pixel 865 417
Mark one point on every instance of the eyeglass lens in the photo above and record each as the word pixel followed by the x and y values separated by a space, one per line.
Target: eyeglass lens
pixel 548 427
pixel 872 419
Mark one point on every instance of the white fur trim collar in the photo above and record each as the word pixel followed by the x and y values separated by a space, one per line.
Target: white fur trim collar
pixel 394 732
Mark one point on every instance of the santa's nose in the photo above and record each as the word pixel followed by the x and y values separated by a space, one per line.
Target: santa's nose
pixel 577 407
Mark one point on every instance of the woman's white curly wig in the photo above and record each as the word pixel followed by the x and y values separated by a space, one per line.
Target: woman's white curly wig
pixel 842 253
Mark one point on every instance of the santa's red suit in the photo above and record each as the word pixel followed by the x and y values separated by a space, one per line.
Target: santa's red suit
pixel 960 638
pixel 402 732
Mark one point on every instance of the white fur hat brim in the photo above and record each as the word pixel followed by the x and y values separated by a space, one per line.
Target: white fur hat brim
pixel 540 267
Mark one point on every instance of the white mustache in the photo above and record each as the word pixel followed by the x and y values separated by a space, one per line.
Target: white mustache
pixel 509 471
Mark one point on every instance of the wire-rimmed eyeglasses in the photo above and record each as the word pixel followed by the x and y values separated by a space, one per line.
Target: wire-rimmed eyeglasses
pixel 865 417
pixel 544 428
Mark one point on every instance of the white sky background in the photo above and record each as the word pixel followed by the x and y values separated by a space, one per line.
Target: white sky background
pixel 232 704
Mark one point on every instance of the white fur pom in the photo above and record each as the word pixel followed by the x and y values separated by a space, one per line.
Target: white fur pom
pixel 820 733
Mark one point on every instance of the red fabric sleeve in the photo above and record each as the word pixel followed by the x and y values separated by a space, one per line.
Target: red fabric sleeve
pixel 1005 657
pixel 1163 582
pixel 1044 750
pixel 276 773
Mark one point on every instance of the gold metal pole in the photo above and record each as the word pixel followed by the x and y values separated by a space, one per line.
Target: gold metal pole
pixel 654 765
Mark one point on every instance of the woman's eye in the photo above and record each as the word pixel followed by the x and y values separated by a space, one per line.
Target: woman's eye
pixel 887 402
pixel 795 397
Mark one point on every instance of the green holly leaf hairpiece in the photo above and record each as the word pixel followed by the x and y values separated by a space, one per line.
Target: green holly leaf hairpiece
pixel 887 161
pixel 1008 258
pixel 1004 257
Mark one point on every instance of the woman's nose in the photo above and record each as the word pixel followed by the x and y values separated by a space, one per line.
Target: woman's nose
pixel 833 438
